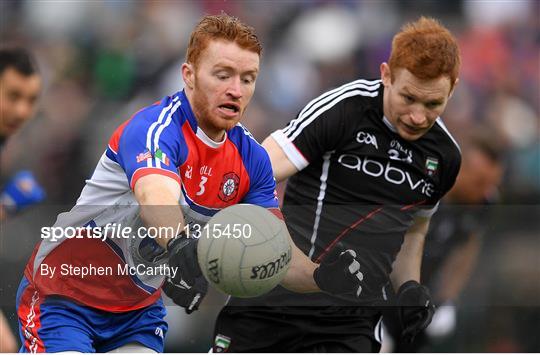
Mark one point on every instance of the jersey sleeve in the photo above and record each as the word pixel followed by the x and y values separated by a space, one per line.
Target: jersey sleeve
pixel 450 172
pixel 318 128
pixel 262 190
pixel 149 146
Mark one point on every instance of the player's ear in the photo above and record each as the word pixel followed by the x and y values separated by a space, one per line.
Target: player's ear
pixel 453 88
pixel 386 76
pixel 188 74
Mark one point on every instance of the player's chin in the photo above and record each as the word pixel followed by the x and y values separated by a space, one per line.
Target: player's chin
pixel 229 122
pixel 409 135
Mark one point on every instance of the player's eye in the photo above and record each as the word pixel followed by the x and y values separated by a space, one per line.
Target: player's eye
pixel 222 76
pixel 408 99
pixel 248 80
pixel 14 96
pixel 432 105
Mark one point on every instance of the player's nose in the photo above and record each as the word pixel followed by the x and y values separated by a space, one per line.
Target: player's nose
pixel 234 88
pixel 22 111
pixel 418 117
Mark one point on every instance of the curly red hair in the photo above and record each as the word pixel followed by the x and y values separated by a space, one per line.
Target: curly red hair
pixel 427 49
pixel 222 27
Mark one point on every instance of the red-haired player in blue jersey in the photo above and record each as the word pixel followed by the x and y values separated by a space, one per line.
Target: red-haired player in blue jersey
pixel 173 164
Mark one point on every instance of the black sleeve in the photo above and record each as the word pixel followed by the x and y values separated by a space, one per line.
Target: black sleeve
pixel 453 166
pixel 317 129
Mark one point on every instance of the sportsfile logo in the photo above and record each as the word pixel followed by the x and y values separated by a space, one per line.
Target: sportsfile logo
pixel 388 172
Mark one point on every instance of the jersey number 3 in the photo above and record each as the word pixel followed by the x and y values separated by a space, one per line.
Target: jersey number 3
pixel 204 179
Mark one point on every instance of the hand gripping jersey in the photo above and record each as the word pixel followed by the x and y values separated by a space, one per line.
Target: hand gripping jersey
pixel 360 183
pixel 160 139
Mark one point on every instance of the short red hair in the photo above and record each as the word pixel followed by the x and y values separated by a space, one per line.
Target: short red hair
pixel 427 49
pixel 222 27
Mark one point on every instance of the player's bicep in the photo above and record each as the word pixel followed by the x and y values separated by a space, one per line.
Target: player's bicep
pixel 157 189
pixel 282 166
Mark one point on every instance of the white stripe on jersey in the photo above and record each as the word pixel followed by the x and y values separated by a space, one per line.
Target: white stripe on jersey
pixel 441 124
pixel 160 129
pixel 316 103
pixel 153 126
pixel 320 198
pixel 378 332
pixel 290 150
pixel 329 106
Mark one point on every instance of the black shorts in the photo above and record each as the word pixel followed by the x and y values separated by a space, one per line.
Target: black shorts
pixel 297 329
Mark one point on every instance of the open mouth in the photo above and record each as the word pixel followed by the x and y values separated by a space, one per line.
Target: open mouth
pixel 232 108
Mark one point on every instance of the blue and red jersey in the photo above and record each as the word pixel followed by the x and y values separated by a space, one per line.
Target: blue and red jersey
pixel 163 139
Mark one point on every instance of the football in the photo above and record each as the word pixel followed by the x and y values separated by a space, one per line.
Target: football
pixel 244 250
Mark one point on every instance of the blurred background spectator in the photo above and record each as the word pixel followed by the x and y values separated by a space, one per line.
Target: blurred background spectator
pixel 103 60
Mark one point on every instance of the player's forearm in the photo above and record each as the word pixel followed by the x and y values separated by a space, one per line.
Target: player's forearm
pixel 160 209
pixel 281 165
pixel 299 277
pixel 409 258
pixel 457 269
pixel 8 343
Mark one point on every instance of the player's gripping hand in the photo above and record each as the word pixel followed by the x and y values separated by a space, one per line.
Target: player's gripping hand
pixel 415 310
pixel 21 191
pixel 189 298
pixel 188 287
pixel 339 273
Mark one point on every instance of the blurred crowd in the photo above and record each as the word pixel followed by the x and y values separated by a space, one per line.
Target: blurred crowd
pixel 103 60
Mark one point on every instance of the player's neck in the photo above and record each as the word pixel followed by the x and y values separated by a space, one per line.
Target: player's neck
pixel 216 135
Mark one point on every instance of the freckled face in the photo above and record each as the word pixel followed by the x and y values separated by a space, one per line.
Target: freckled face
pixel 412 105
pixel 221 85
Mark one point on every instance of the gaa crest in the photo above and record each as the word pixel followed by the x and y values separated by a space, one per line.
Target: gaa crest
pixel 229 187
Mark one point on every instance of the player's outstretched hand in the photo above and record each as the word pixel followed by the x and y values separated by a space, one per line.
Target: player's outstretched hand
pixel 188 287
pixel 339 273
pixel 21 191
pixel 416 309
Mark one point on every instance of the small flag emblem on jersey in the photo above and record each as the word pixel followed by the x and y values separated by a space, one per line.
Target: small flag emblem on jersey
pixel 144 156
pixel 221 344
pixel 162 157
pixel 431 165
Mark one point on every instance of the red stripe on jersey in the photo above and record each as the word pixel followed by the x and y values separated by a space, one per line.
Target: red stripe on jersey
pixel 29 317
pixel 345 231
pixel 213 177
pixel 29 269
pixel 408 207
pixel 111 292
pixel 115 138
pixel 139 173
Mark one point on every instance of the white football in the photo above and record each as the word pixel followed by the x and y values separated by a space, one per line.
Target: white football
pixel 244 250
